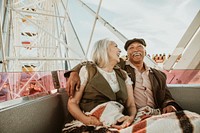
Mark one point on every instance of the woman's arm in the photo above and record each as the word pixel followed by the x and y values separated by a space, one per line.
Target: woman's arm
pixel 131 109
pixel 130 105
pixel 74 109
pixel 73 103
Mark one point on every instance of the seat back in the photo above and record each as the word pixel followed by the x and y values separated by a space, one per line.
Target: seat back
pixel 49 113
pixel 42 115
pixel 187 96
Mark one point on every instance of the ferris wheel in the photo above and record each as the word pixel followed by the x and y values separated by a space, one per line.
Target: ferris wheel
pixel 37 35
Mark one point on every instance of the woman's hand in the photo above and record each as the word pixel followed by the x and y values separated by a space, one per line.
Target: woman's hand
pixel 125 120
pixel 91 120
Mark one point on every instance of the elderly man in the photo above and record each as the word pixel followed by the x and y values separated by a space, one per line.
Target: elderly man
pixel 149 84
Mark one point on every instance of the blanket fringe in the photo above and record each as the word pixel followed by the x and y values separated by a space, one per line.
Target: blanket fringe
pixel 78 127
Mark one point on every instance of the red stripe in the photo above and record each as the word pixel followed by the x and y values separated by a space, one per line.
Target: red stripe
pixel 99 112
pixel 140 127
pixel 26 42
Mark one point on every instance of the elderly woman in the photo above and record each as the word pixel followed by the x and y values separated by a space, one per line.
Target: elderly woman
pixel 102 81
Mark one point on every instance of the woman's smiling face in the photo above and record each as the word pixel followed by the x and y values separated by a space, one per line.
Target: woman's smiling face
pixel 114 52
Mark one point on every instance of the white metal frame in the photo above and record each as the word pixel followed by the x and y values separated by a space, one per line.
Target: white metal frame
pixel 49 47
pixel 188 49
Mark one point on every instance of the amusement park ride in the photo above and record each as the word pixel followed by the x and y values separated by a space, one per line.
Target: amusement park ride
pixel 38 43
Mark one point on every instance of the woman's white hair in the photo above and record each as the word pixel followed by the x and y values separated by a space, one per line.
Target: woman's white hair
pixel 100 52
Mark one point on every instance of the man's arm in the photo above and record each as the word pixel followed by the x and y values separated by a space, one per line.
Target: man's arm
pixel 75 69
pixel 169 104
pixel 73 79
pixel 73 83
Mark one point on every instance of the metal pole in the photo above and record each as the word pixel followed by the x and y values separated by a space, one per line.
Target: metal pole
pixel 105 23
pixel 2 48
pixel 96 17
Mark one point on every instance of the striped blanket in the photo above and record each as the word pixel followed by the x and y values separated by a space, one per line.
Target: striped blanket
pixel 147 120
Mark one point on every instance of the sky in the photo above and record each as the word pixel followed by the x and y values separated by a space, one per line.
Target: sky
pixel 162 23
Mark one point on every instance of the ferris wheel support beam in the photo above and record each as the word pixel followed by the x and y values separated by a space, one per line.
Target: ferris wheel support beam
pixel 62 42
pixel 190 43
pixel 113 30
pixel 2 42
pixel 38 13
pixel 42 58
pixel 95 21
pixel 2 47
pixel 104 22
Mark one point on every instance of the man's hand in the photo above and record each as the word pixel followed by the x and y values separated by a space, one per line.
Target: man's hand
pixel 125 120
pixel 169 109
pixel 73 83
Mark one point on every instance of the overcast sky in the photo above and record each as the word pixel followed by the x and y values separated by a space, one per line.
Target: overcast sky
pixel 161 23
